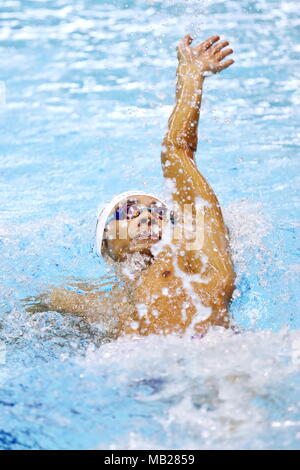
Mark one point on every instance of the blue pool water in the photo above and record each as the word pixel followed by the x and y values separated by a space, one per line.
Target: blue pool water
pixel 86 90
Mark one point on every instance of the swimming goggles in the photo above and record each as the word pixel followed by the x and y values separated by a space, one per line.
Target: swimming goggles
pixel 131 211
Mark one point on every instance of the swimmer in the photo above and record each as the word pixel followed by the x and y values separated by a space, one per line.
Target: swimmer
pixel 169 283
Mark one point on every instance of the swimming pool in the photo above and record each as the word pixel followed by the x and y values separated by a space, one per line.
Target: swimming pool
pixel 88 89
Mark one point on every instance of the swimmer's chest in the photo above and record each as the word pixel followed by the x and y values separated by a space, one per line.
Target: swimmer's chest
pixel 161 303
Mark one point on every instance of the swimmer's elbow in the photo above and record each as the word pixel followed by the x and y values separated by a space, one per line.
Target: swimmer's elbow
pixel 175 143
pixel 176 159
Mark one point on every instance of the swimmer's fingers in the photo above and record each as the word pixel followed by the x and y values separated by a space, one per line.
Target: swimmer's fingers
pixel 225 65
pixel 220 55
pixel 189 54
pixel 183 48
pixel 184 43
pixel 187 40
pixel 205 45
pixel 207 56
pixel 219 47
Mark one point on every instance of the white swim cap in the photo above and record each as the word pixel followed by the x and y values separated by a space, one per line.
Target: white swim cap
pixel 106 210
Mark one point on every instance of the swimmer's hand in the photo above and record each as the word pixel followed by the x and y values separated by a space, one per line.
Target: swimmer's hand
pixel 205 58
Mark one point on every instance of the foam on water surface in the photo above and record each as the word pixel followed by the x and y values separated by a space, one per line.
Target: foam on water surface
pixel 223 391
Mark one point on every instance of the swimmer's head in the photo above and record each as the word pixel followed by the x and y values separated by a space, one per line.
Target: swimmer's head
pixel 131 223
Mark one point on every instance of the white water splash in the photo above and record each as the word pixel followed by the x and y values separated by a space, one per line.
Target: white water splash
pixel 210 389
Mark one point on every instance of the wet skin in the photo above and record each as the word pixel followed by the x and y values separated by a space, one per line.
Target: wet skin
pixel 178 282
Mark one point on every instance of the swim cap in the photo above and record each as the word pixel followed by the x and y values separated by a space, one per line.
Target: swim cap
pixel 106 210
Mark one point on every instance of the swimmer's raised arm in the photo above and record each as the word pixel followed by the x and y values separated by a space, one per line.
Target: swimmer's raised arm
pixel 179 147
pixel 181 139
